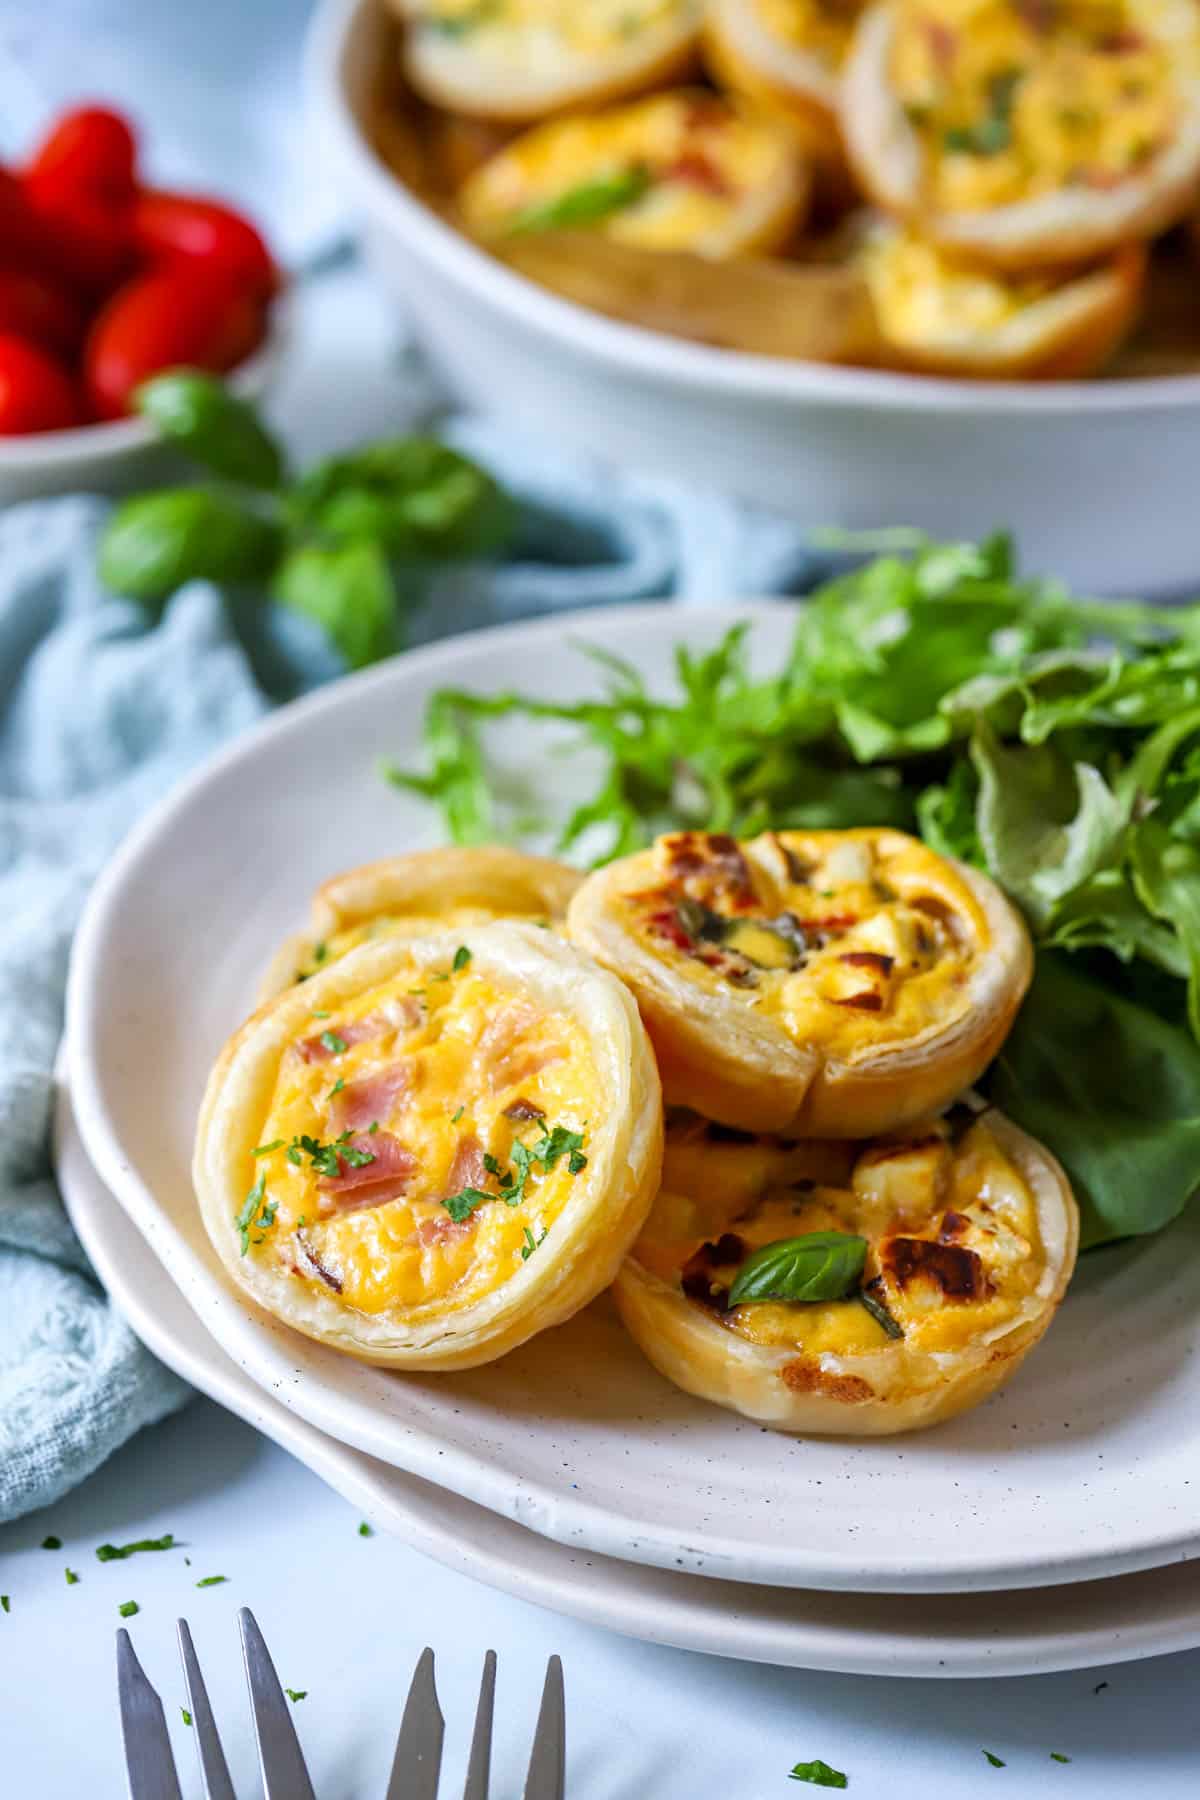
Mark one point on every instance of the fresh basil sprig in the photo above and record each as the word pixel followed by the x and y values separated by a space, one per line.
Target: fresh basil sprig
pixel 585 204
pixel 821 1265
pixel 340 544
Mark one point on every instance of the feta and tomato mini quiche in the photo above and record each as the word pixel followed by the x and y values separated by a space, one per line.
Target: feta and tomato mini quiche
pixel 420 892
pixel 786 54
pixel 435 1147
pixel 944 316
pixel 523 59
pixel 1023 132
pixel 686 170
pixel 858 1289
pixel 828 983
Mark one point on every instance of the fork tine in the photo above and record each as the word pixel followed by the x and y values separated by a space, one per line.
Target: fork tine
pixel 148 1760
pixel 214 1770
pixel 547 1775
pixel 280 1758
pixel 480 1767
pixel 418 1759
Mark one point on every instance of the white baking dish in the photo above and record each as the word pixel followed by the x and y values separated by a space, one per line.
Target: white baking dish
pixel 1097 479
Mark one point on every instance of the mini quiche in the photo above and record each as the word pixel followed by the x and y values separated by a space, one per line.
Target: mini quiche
pixel 944 316
pixel 827 983
pixel 850 1288
pixel 1026 133
pixel 524 59
pixel 420 892
pixel 786 54
pixel 435 1148
pixel 686 170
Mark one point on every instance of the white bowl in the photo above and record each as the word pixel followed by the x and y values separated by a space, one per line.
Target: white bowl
pixel 127 454
pixel 1096 478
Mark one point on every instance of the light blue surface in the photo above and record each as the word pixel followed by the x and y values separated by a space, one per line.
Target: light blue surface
pixel 101 710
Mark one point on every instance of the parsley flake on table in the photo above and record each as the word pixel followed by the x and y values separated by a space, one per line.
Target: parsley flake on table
pixel 819 1774
pixel 1057 1756
pixel 212 1581
pixel 127 1608
pixel 72 1577
pixel 996 1761
pixel 119 1552
pixel 296 1693
pixel 51 1543
pixel 185 1715
pixel 364 1530
pixel 4 1603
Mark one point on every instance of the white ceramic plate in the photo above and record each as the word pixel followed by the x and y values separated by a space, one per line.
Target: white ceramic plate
pixel 1067 465
pixel 1082 1467
pixel 862 1634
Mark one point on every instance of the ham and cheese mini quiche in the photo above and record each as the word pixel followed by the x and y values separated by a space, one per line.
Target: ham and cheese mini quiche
pixel 420 892
pixel 827 983
pixel 687 170
pixel 857 1289
pixel 523 59
pixel 435 1147
pixel 1025 133
pixel 786 54
pixel 943 316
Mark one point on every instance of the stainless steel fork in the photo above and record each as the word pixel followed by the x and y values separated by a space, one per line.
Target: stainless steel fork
pixel 416 1767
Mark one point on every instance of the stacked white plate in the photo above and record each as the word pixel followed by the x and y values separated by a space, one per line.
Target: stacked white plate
pixel 1045 1530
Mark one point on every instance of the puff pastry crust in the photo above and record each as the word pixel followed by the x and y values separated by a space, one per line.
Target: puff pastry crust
pixel 826 983
pixel 971 1232
pixel 414 894
pixel 435 1147
pixel 788 56
pixel 1026 137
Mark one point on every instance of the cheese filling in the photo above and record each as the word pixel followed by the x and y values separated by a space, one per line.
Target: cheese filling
pixel 954 1250
pixel 843 938
pixel 421 1143
pixel 923 298
pixel 1015 98
pixel 531 35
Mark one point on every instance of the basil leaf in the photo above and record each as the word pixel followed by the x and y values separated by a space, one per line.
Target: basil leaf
pixel 207 421
pixel 821 1265
pixel 347 589
pixel 585 204
pixel 411 496
pixel 1114 1089
pixel 153 543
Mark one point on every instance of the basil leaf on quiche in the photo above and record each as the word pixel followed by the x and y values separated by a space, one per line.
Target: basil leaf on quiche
pixel 821 1265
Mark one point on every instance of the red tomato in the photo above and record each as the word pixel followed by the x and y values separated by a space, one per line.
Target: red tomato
pixel 21 237
pixel 36 393
pixel 84 237
pixel 34 306
pixel 171 226
pixel 193 317
pixel 90 151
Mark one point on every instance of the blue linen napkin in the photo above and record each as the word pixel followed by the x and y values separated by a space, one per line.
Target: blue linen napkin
pixel 101 711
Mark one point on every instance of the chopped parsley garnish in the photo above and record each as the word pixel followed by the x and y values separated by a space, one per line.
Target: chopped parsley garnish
pixel 560 1142
pixel 119 1552
pixel 456 1116
pixel 586 203
pixel 266 1149
pixel 256 1210
pixel 212 1581
pixel 127 1608
pixel 296 1693
pixel 72 1577
pixel 549 1149
pixel 996 1761
pixel 364 1530
pixel 992 133
pixel 462 957
pixel 337 1087
pixel 320 952
pixel 529 1246
pixel 327 1159
pixel 332 1042
pixel 460 1206
pixel 819 1774
pixel 320 1012
pixel 51 1543
pixel 185 1715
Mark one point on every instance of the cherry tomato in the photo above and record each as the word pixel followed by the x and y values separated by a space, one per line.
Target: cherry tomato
pixel 85 237
pixel 190 317
pixel 187 226
pixel 21 236
pixel 36 393
pixel 90 151
pixel 34 306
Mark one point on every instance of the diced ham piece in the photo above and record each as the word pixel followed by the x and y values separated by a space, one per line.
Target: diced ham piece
pixel 371 1099
pixel 372 1183
pixel 467 1168
pixel 444 1230
pixel 398 1015
pixel 502 1059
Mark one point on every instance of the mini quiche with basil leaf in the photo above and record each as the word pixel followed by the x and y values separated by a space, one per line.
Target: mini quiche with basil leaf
pixel 435 1147
pixel 523 59
pixel 420 892
pixel 1027 134
pixel 827 983
pixel 850 1288
pixel 686 170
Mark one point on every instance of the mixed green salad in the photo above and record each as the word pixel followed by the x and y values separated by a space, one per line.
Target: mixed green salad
pixel 1053 741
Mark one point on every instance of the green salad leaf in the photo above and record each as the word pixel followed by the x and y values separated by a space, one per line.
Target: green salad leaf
pixel 1050 740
